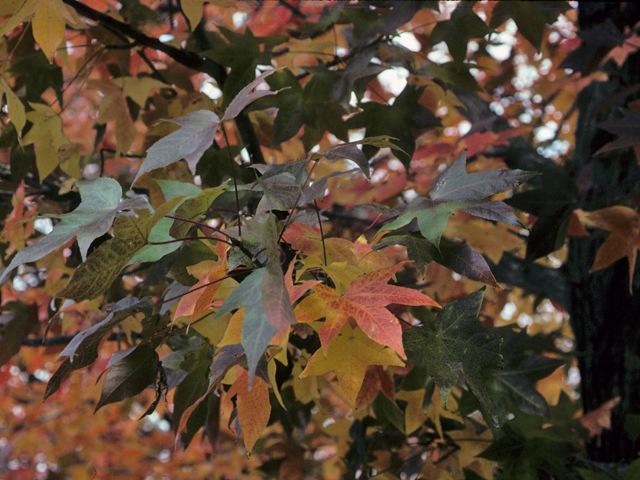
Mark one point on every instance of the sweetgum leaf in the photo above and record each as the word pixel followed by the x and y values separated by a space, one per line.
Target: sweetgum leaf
pixel 455 189
pixel 130 375
pixel 198 132
pixel 459 348
pixel 99 207
pixel 456 33
pixel 82 351
pixel 530 17
pixel 102 267
pixel 257 330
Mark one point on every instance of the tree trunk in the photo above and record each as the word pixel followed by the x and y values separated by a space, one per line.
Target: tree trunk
pixel 604 315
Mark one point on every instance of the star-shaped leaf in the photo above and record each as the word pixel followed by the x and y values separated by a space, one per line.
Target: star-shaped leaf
pixel 459 348
pixel 624 240
pixel 101 202
pixel 349 355
pixel 198 132
pixel 455 189
pixel 364 300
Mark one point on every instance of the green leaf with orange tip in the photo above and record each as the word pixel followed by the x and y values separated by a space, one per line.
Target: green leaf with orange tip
pixel 101 203
pixel 349 355
pixel 364 300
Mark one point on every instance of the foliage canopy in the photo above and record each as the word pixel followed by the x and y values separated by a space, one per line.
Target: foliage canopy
pixel 276 224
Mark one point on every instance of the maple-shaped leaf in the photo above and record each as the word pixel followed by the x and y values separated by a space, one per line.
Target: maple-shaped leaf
pixel 530 17
pixel 624 240
pixel 459 257
pixel 364 300
pixel 626 128
pixel 101 202
pixel 460 347
pixel 349 355
pixel 455 189
pixel 198 132
pixel 263 317
pixel 456 32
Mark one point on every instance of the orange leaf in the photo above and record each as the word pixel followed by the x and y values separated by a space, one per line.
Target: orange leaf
pixel 253 406
pixel 364 300
pixel 624 225
pixel 600 418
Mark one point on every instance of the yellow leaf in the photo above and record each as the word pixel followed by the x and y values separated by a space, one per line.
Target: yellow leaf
pixel 48 26
pixel 271 370
pixel 47 133
pixel 20 10
pixel 16 107
pixel 349 355
pixel 253 407
pixel 113 107
pixel 414 416
pixel 70 160
pixel 437 410
pixel 193 11
pixel 137 89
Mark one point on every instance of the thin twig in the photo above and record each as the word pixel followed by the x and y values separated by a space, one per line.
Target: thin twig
pixel 233 173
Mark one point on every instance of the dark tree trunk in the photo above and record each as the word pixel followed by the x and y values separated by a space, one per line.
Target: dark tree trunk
pixel 605 317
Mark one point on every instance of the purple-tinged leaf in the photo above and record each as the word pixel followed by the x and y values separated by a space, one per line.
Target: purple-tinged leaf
pixel 189 142
pixel 455 184
pixel 244 98
pixel 465 260
pixel 130 375
pixel 82 351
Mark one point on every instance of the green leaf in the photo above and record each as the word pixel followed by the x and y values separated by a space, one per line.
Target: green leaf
pixel 455 74
pixel 99 207
pixel 41 75
pixel 192 209
pixel 102 267
pixel 130 375
pixel 16 321
pixel 455 189
pixel 419 250
pixel 530 17
pixel 82 351
pixel 257 329
pixel 387 412
pixel 459 348
pixel 398 120
pixel 194 385
pixel 456 32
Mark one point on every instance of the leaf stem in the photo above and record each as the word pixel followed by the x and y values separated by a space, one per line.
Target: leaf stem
pixel 324 249
pixel 185 239
pixel 238 271
pixel 295 205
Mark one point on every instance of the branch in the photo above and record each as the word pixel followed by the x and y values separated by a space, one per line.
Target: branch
pixel 65 339
pixel 534 278
pixel 184 57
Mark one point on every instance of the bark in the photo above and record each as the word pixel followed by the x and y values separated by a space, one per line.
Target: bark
pixel 604 315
